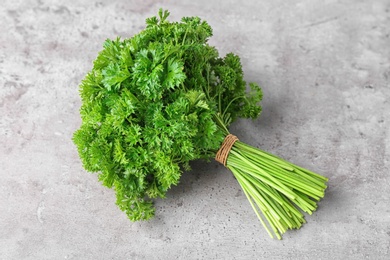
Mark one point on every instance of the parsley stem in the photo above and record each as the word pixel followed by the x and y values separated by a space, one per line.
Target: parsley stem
pixel 220 123
pixel 278 189
pixel 230 103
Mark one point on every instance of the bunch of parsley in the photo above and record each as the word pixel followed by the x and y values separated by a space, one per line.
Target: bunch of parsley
pixel 162 98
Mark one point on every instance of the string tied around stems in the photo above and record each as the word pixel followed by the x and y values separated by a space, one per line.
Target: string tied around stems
pixel 225 148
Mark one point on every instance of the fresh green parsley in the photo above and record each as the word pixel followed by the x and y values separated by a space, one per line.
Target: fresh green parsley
pixel 164 97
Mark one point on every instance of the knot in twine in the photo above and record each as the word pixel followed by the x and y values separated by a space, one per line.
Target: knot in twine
pixel 226 146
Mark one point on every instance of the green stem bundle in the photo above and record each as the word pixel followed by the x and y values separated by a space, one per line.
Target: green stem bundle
pixel 275 187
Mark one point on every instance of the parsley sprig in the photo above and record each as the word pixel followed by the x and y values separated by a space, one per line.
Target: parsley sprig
pixel 164 97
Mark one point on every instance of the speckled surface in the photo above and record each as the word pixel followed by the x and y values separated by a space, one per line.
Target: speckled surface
pixel 325 70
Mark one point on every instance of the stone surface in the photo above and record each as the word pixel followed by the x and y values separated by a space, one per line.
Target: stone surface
pixel 324 67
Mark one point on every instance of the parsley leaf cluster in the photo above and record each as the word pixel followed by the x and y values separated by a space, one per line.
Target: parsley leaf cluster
pixel 154 102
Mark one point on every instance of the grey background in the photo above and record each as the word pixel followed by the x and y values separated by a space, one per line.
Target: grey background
pixel 324 67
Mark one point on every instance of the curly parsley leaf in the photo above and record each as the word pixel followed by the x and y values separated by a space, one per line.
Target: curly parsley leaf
pixel 154 102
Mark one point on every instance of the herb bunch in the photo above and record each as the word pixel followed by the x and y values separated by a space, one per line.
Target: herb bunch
pixel 162 98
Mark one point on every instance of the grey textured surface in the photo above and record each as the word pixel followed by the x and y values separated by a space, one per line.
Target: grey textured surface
pixel 325 69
